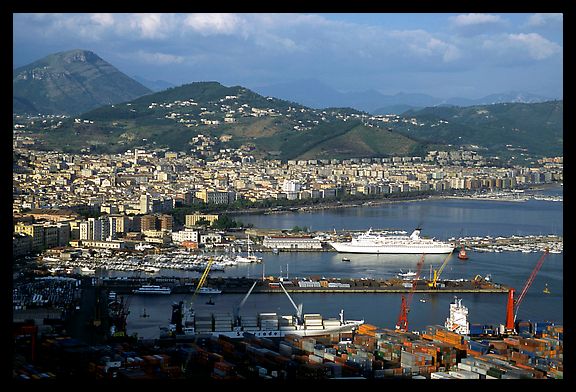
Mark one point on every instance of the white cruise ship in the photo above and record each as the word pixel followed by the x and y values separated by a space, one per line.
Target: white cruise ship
pixel 152 289
pixel 383 243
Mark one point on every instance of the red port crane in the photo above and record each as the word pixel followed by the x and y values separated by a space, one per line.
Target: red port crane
pixel 514 305
pixel 402 323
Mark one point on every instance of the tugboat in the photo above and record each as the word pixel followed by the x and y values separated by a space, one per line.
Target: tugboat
pixel 462 254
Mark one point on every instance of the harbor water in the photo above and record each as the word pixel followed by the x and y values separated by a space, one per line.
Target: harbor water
pixel 440 218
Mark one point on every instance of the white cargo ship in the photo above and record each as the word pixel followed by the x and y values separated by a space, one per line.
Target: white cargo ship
pixel 384 243
pixel 185 322
pixel 209 290
pixel 152 289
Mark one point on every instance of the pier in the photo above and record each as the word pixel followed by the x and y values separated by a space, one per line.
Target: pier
pixel 309 285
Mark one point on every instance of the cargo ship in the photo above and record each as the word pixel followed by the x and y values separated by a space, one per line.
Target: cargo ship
pixel 186 323
pixel 152 289
pixel 385 243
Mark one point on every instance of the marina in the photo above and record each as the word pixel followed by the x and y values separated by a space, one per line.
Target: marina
pixel 74 261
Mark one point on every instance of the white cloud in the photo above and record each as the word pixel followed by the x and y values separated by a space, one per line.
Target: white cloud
pixel 424 44
pixel 151 26
pixel 209 24
pixel 541 20
pixel 158 58
pixel 105 20
pixel 531 44
pixel 476 19
pixel 537 46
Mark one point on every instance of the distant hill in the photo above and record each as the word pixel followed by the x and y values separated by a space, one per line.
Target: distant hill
pixel 318 95
pixel 273 127
pixel 504 129
pixel 154 85
pixel 70 83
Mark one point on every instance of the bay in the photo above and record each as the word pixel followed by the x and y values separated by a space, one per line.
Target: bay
pixel 440 218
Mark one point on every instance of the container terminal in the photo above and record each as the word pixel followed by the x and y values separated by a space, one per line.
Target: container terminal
pixel 529 350
pixel 92 342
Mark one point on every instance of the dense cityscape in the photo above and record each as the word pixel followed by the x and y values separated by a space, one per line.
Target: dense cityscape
pixel 75 214
pixel 287 198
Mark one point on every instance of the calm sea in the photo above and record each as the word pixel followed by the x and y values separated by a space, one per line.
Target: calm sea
pixel 440 218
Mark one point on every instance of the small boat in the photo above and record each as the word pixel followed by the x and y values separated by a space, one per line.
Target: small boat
pixel 407 275
pixel 209 290
pixel 546 289
pixel 345 259
pixel 462 254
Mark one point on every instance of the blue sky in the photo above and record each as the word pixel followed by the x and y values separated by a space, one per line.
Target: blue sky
pixel 466 55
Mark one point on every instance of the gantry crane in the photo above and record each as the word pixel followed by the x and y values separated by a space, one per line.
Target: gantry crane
pixel 439 271
pixel 513 305
pixel 402 323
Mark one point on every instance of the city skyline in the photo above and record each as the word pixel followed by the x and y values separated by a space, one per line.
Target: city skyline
pixel 467 55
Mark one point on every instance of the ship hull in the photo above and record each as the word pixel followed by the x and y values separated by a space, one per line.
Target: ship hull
pixel 239 333
pixel 343 247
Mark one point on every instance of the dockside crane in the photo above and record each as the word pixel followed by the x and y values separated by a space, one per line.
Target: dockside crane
pixel 402 323
pixel 439 271
pixel 513 305
pixel 203 278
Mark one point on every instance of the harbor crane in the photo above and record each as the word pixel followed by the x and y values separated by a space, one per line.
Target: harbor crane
pixel 402 323
pixel 439 271
pixel 513 305
pixel 203 278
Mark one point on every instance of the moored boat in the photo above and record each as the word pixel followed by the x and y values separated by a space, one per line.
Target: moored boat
pixel 462 254
pixel 209 290
pixel 152 289
pixel 384 243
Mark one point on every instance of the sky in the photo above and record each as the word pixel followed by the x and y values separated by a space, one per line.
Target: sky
pixel 468 55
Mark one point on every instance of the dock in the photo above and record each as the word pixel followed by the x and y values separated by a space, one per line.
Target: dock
pixel 310 285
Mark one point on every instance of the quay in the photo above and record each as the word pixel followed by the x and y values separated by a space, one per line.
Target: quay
pixel 311 285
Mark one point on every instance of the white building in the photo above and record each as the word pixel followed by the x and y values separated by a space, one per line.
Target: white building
pixel 185 235
pixel 292 243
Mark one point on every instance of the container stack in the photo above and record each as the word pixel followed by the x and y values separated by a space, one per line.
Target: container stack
pixel 287 323
pixel 203 323
pixel 313 321
pixel 268 321
pixel 249 323
pixel 223 322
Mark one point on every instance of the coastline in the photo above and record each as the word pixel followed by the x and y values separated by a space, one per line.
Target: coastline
pixel 376 202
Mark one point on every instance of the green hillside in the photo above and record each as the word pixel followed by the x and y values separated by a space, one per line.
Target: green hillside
pixel 171 118
pixel 502 129
pixel 236 116
pixel 70 83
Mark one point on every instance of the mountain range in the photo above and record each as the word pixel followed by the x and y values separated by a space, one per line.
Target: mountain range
pixel 70 83
pixel 113 113
pixel 315 94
